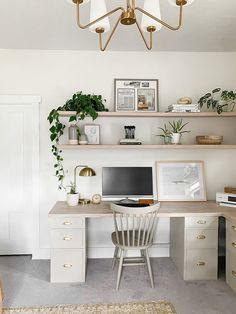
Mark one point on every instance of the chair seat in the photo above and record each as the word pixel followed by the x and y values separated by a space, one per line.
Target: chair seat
pixel 134 240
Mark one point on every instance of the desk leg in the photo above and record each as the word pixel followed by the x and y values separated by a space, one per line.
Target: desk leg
pixel 1 297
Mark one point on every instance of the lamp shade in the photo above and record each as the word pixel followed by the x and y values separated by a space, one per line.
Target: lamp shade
pixel 173 2
pixel 152 7
pixel 87 172
pixel 98 9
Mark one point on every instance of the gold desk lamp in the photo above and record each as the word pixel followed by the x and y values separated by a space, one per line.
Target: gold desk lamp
pixel 85 172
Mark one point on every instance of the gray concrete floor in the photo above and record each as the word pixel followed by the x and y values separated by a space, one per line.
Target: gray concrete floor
pixel 26 283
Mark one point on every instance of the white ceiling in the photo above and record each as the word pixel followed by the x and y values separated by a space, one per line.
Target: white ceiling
pixel 209 25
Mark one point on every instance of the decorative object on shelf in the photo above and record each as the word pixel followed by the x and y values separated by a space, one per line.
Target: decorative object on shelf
pixel 129 131
pixel 151 18
pixel 209 139
pixel 84 201
pixel 177 130
pixel 185 101
pixel 181 181
pixel 230 190
pixel 220 101
pixel 166 135
pixel 136 95
pixel 83 140
pixel 93 133
pixel 72 197
pixel 84 105
pixel 96 199
pixel 184 108
pixel 74 134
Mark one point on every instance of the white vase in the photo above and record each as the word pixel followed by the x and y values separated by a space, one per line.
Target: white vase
pixel 72 199
pixel 175 138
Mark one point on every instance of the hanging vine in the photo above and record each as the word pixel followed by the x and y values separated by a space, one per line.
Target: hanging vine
pixel 85 105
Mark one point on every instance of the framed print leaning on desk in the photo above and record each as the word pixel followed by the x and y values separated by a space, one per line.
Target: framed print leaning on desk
pixel 181 181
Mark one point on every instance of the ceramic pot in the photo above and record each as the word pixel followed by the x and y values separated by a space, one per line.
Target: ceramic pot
pixel 175 138
pixel 72 199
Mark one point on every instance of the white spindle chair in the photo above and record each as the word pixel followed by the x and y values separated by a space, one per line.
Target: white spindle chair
pixel 134 230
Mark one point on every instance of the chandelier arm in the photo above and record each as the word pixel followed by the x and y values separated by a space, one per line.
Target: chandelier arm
pixel 97 20
pixel 162 22
pixel 149 47
pixel 110 36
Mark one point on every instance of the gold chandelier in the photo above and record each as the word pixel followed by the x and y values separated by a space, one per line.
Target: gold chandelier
pixel 151 18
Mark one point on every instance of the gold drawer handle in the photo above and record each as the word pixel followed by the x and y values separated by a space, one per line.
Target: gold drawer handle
pixel 201 264
pixel 201 237
pixel 234 273
pixel 234 245
pixel 67 239
pixel 201 222
pixel 67 265
pixel 234 228
pixel 67 223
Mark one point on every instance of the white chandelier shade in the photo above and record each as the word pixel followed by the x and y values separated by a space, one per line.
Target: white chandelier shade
pixel 173 2
pixel 98 9
pixel 152 7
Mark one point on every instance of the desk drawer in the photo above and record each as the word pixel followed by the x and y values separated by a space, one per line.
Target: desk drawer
pixel 201 222
pixel 68 238
pixel 201 264
pixel 231 270
pixel 67 265
pixel 67 222
pixel 201 238
pixel 231 226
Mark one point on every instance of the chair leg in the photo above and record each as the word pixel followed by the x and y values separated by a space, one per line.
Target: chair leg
pixel 115 257
pixel 149 268
pixel 120 269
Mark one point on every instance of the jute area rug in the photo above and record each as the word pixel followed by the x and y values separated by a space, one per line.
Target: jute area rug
pixel 160 307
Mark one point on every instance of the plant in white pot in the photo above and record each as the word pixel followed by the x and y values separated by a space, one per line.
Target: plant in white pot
pixel 72 196
pixel 177 129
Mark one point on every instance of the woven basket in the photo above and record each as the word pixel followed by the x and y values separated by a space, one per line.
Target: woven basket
pixel 209 139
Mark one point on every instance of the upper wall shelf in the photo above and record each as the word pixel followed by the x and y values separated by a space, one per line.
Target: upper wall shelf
pixel 155 114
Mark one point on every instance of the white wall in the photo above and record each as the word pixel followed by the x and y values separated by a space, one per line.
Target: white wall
pixel 55 75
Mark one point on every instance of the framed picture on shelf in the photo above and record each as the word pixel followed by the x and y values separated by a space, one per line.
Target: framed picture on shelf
pixel 136 95
pixel 180 181
pixel 93 133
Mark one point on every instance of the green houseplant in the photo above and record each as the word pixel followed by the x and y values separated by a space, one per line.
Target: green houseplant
pixel 166 134
pixel 72 196
pixel 219 100
pixel 177 129
pixel 84 105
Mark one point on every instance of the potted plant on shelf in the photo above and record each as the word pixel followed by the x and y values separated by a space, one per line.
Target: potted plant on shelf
pixel 220 101
pixel 72 196
pixel 84 105
pixel 177 130
pixel 166 134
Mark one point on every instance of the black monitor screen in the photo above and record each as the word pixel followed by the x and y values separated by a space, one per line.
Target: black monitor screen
pixel 127 181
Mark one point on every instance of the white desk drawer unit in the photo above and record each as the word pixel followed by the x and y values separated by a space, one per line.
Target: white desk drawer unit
pixel 231 253
pixel 194 247
pixel 68 249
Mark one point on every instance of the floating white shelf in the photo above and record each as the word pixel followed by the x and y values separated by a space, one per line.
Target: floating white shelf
pixel 114 146
pixel 155 114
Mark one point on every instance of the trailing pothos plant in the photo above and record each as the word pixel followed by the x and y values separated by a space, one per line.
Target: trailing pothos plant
pixel 84 105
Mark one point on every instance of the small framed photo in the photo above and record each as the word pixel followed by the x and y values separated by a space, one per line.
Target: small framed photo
pixel 136 95
pixel 93 133
pixel 181 181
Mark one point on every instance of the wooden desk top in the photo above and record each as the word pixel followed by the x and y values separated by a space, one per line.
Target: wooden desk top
pixel 168 209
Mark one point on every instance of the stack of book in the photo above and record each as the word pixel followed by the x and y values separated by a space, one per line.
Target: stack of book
pixel 184 108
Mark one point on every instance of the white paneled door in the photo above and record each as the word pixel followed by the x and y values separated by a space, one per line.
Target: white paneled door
pixel 18 172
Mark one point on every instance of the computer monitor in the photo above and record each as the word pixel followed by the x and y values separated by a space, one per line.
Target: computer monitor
pixel 126 182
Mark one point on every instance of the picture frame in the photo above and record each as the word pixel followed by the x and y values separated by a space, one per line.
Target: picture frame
pixel 138 95
pixel 180 181
pixel 92 132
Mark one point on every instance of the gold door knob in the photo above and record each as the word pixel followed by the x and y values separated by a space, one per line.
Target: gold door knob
pixel 234 273
pixel 201 222
pixel 201 237
pixel 201 264
pixel 234 244
pixel 67 238
pixel 67 265
pixel 67 223
pixel 234 228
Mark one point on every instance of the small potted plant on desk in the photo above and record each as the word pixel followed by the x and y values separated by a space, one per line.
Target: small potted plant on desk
pixel 72 197
pixel 177 130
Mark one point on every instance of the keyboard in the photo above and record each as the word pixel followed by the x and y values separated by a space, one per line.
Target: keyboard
pixel 132 204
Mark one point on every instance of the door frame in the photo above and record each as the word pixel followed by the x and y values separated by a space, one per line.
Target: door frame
pixel 34 102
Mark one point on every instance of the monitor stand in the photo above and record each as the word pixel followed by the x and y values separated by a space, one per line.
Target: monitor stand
pixel 127 201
